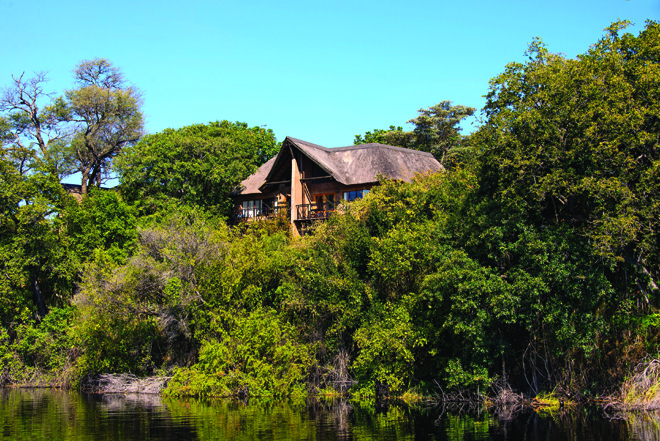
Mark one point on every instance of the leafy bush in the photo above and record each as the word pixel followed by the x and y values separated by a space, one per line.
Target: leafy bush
pixel 196 165
pixel 102 221
pixel 259 356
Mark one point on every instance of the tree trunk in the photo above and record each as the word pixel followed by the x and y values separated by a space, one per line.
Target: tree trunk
pixel 84 182
pixel 38 297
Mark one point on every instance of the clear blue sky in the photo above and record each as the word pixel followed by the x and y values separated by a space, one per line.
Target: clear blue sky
pixel 316 70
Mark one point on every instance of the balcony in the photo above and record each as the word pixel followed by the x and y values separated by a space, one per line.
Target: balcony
pixel 315 211
pixel 262 212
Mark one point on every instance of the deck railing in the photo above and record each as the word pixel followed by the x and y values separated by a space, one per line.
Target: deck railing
pixel 304 211
pixel 265 211
pixel 315 211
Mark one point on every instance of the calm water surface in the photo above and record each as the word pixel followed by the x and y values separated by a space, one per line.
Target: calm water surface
pixel 37 414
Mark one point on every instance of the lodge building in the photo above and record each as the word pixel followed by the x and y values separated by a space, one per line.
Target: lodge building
pixel 306 182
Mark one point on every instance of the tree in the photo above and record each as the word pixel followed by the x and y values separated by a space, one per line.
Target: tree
pixel 197 165
pixel 79 132
pixel 107 118
pixel 36 268
pixel 437 130
pixel 29 121
pixel 393 136
pixel 574 144
pixel 102 223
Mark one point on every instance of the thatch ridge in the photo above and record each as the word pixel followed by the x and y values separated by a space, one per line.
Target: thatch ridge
pixel 350 165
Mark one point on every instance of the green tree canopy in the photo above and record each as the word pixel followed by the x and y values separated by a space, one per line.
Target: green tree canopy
pixel 393 136
pixel 106 115
pixel 78 132
pixel 36 267
pixel 29 124
pixel 575 141
pixel 198 165
pixel 436 130
pixel 101 223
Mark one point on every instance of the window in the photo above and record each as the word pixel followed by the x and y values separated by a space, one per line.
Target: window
pixel 355 194
pixel 274 208
pixel 252 208
pixel 324 204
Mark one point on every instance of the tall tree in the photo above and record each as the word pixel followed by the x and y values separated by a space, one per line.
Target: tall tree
pixel 197 165
pixel 78 132
pixel 107 117
pixel 436 130
pixel 577 142
pixel 29 121
pixel 393 136
pixel 34 254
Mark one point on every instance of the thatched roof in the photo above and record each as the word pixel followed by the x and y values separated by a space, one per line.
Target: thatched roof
pixel 254 181
pixel 351 165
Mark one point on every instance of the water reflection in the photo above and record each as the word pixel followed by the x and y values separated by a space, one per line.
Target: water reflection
pixel 641 425
pixel 41 414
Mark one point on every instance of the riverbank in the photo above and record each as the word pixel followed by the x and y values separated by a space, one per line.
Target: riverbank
pixel 639 393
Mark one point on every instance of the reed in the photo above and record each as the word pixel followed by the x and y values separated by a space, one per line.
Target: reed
pixel 642 389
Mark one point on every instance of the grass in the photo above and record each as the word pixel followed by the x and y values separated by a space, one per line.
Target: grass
pixel 329 393
pixel 550 402
pixel 413 396
pixel 642 389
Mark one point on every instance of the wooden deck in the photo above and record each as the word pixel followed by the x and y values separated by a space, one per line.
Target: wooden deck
pixel 315 211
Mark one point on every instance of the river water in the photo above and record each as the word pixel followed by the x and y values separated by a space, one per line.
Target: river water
pixel 42 414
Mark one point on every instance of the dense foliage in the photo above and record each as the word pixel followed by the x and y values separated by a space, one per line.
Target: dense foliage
pixel 36 264
pixel 534 263
pixel 198 164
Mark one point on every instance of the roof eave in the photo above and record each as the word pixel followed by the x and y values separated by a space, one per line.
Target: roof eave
pixel 301 147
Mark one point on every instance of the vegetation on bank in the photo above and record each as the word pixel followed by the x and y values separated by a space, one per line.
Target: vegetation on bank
pixel 531 264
